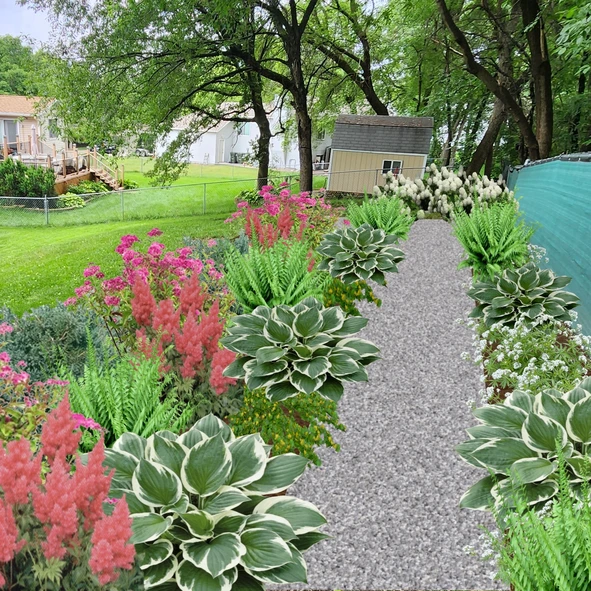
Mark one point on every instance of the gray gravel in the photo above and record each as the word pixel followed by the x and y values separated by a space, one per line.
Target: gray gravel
pixel 391 494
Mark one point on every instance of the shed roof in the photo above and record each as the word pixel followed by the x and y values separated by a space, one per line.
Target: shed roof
pixel 381 133
pixel 22 106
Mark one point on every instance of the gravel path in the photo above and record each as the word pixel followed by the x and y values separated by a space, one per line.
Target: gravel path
pixel 391 494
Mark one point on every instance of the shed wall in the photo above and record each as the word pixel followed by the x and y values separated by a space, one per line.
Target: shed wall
pixel 359 172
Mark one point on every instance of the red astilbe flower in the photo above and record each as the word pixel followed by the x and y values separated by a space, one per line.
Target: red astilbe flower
pixel 110 548
pixel 188 343
pixel 220 360
pixel 20 473
pixel 9 545
pixel 142 302
pixel 191 295
pixel 60 436
pixel 165 320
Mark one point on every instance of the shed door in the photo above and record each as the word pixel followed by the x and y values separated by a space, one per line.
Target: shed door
pixel 10 131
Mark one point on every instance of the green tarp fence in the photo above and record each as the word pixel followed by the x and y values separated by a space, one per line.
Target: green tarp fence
pixel 556 194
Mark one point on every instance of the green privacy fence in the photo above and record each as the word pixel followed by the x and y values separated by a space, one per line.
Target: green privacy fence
pixel 557 194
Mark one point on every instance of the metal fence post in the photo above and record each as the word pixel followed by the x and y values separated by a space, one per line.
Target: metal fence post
pixel 204 196
pixel 122 206
pixel 46 206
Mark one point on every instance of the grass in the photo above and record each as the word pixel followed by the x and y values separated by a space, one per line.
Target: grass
pixel 204 189
pixel 44 265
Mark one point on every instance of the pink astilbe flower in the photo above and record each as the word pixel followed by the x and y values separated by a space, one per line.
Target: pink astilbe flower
pixel 9 545
pixel 19 472
pixel 165 320
pixel 110 547
pixel 142 303
pixel 220 360
pixel 60 436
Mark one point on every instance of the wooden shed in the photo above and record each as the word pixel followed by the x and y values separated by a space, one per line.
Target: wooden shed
pixel 364 147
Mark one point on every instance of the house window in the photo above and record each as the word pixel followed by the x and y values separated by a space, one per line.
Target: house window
pixel 394 166
pixel 244 129
pixel 10 131
pixel 320 135
pixel 52 129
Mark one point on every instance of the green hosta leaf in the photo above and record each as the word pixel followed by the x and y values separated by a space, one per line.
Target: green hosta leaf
pixel 352 325
pixel 478 496
pixel 312 367
pixel 268 355
pixel 160 573
pixel 169 453
pixel 500 454
pixel 212 425
pixel 581 466
pixel 528 280
pixel 199 523
pixel 280 473
pixel 305 541
pixel 248 460
pixel 281 391
pixel 191 578
pixel 499 415
pixel 308 323
pixel 304 517
pixel 255 369
pixel 191 438
pixel 332 389
pixel 489 432
pixel 264 549
pixel 292 572
pixel 236 368
pixel 578 423
pixel 134 504
pixel 250 321
pixel 466 451
pixel 518 399
pixel 534 493
pixel 132 444
pixel 155 485
pixel 153 553
pixel 246 582
pixel 575 395
pixel 179 507
pixel 332 319
pixel 216 555
pixel 148 526
pixel 179 533
pixel 248 344
pixel 273 523
pixel 304 383
pixel 341 365
pixel 540 433
pixel 229 522
pixel 207 466
pixel 508 286
pixel 364 348
pixel 225 499
pixel 277 332
pixel 530 470
pixel 123 462
pixel 555 408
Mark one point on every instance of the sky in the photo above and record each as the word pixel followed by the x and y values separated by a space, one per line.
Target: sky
pixel 18 20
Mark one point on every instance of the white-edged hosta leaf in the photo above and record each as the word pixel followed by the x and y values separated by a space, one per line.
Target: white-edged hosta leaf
pixel 123 462
pixel 276 332
pixel 292 572
pixel 229 522
pixel 207 466
pixel 581 466
pixel 279 525
pixel 578 423
pixel 161 572
pixel 530 470
pixel 191 438
pixel 478 496
pixel 305 541
pixel 332 389
pixel 227 498
pixel 264 549
pixel 307 323
pixel 180 506
pixel 134 504
pixel 147 527
pixel 156 485
pixel 280 473
pixel 248 460
pixel 304 383
pixel 466 451
pixel 215 556
pixel 246 582
pixel 281 391
pixel 313 367
pixel 303 516
pixel 490 432
pixel 269 354
pixel 131 443
pixel 153 553
pixel 540 433
pixel 500 454
pixel 341 365
pixel 556 408
pixel 499 415
pixel 532 493
pixel 332 319
pixel 576 395
pixel 164 451
pixel 212 425
pixel 522 400
pixel 199 523
pixel 191 578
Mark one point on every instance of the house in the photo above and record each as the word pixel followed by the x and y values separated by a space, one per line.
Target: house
pixel 232 142
pixel 20 123
pixel 364 147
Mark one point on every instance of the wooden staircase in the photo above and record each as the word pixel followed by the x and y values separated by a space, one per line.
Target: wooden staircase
pixel 106 178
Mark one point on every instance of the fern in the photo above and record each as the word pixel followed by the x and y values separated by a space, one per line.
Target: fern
pixel 128 396
pixel 384 213
pixel 494 239
pixel 273 276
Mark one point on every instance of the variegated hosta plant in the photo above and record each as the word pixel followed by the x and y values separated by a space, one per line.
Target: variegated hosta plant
pixel 301 349
pixel 518 441
pixel 201 520
pixel 354 254
pixel 527 292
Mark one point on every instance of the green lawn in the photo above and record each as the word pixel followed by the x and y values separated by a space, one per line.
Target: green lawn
pixel 44 265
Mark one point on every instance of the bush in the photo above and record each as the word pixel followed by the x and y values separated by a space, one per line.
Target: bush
pixel 494 239
pixel 49 338
pixel 70 200
pixel 297 425
pixel 19 180
pixel 88 187
pixel 337 293
pixel 216 248
pixel 251 196
pixel 384 213
pixel 56 534
pixel 200 517
pixel 129 184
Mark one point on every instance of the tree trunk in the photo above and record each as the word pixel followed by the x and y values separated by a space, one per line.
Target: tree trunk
pixel 486 144
pixel 305 149
pixel 255 86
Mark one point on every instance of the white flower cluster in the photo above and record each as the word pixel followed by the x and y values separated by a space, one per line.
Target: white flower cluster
pixel 444 191
pixel 537 254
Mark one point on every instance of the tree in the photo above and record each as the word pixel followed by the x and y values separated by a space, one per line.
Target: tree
pixel 19 67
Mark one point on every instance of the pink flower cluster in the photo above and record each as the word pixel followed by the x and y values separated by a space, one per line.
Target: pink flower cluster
pixel 63 501
pixel 6 328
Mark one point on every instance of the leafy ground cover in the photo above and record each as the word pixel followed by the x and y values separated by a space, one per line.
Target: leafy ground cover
pixel 44 265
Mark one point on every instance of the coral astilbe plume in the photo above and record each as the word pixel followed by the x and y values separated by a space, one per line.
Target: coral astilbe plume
pixel 142 302
pixel 110 549
pixel 57 517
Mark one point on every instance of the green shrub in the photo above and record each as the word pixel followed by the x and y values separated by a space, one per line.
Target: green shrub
pixel 88 187
pixel 301 349
pixel 200 517
pixel 130 396
pixel 273 276
pixel 297 425
pixel 527 292
pixel 516 444
pixel 70 200
pixel 494 239
pixel 19 180
pixel 383 213
pixel 337 293
pixel 216 248
pixel 49 338
pixel 354 254
pixel 251 196
pixel 129 184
